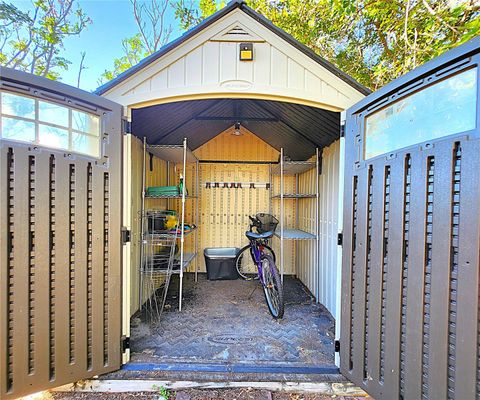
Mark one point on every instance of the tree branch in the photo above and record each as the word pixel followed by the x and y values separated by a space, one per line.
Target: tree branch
pixel 81 68
pixel 438 17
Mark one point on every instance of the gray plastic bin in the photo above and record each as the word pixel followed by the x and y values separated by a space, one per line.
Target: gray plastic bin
pixel 220 262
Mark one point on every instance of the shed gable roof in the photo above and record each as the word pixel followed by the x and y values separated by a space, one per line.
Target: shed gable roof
pixel 230 34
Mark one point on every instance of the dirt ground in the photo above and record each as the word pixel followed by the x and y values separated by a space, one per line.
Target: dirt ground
pixel 197 394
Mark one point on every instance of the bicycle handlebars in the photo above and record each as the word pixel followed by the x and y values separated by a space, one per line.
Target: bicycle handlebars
pixel 254 222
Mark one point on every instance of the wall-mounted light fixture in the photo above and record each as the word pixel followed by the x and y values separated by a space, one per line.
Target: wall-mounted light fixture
pixel 246 51
pixel 236 130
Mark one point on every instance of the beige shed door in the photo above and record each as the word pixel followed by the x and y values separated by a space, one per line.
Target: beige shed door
pixel 60 236
pixel 410 283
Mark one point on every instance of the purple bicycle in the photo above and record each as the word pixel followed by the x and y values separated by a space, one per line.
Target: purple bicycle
pixel 258 256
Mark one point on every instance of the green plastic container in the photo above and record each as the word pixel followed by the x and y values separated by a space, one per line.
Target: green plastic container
pixel 163 191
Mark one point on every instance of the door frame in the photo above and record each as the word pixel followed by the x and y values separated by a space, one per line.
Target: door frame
pixel 127 256
pixel 341 188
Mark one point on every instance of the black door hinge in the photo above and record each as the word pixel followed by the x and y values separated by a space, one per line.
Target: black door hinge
pixel 337 346
pixel 125 343
pixel 340 239
pixel 126 235
pixel 342 130
pixel 126 126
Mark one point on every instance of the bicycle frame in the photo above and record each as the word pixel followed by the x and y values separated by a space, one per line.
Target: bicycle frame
pixel 256 251
pixel 258 243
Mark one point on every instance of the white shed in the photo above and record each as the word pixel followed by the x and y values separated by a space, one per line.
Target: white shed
pixel 232 120
pixel 104 222
pixel 287 97
pixel 238 116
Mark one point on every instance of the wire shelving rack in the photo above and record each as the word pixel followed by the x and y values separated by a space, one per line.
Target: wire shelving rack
pixel 179 155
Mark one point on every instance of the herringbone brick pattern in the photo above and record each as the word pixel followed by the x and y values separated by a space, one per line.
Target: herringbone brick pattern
pixel 228 321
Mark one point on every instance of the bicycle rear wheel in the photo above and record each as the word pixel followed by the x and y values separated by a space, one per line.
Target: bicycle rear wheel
pixel 273 288
pixel 246 267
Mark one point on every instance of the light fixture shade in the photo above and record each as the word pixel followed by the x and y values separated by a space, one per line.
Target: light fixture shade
pixel 237 131
pixel 246 51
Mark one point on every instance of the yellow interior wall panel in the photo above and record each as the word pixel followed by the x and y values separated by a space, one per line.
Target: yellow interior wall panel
pixel 305 257
pixel 224 211
pixel 228 147
pixel 289 183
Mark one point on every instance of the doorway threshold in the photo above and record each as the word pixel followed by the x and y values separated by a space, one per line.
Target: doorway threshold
pixel 226 372
pixel 232 368
pixel 332 388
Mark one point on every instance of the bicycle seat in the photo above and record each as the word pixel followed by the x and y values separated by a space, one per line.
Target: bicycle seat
pixel 254 235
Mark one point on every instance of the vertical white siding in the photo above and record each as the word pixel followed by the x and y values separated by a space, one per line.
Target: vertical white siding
pixel 209 64
pixel 321 279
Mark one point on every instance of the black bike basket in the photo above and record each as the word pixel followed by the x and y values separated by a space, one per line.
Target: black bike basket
pixel 266 223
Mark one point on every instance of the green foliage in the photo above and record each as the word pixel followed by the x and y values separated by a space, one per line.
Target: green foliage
pixel 33 41
pixel 189 15
pixel 374 41
pixel 134 52
pixel 9 14
pixel 162 391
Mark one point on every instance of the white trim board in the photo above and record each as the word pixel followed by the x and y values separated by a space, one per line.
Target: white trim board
pixel 148 385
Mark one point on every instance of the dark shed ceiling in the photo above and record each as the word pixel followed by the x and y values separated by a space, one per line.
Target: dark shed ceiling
pixel 296 128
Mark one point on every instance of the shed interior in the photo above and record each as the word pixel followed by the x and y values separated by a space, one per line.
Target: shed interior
pixel 239 141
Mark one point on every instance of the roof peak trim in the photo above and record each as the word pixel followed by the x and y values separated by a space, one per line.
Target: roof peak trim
pixel 237 32
pixel 231 6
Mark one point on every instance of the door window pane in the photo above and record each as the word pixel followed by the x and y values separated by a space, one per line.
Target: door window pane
pixel 52 113
pixel 49 124
pixel 85 123
pixel 19 106
pixel 85 144
pixel 53 137
pixel 442 109
pixel 17 129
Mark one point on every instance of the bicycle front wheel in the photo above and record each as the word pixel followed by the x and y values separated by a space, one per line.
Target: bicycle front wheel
pixel 273 288
pixel 246 267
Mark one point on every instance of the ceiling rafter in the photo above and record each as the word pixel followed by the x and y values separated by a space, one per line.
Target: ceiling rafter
pixel 295 127
pixel 291 127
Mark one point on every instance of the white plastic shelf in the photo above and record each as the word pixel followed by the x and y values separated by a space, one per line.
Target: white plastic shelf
pixel 295 234
pixel 173 153
pixel 296 196
pixel 294 167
